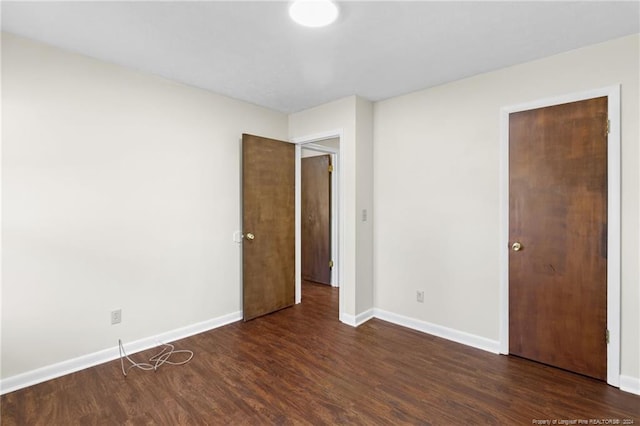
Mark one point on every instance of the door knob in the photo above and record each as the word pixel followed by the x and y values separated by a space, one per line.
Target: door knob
pixel 516 246
pixel 250 236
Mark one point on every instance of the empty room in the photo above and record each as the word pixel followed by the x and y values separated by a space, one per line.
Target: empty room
pixel 320 212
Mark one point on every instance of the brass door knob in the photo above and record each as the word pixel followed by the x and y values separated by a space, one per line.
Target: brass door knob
pixel 250 236
pixel 516 246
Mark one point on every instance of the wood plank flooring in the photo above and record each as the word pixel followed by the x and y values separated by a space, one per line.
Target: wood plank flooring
pixel 302 366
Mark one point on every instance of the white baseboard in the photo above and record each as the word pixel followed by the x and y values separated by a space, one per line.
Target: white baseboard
pixel 468 339
pixel 627 383
pixel 357 320
pixel 364 317
pixel 53 371
pixel 348 319
pixel 630 384
pixel 10 384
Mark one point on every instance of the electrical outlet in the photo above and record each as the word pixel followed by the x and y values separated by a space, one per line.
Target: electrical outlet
pixel 420 296
pixel 116 316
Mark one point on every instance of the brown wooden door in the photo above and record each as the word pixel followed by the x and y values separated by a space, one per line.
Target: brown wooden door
pixel 316 219
pixel 268 223
pixel 558 213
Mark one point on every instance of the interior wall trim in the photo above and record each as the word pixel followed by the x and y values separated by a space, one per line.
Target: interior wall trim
pixel 457 336
pixel 630 384
pixel 357 320
pixel 53 371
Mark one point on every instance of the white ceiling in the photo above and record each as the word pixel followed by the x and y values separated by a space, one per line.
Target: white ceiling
pixel 252 51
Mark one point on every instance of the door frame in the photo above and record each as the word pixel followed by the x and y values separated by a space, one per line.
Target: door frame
pixel 337 209
pixel 613 217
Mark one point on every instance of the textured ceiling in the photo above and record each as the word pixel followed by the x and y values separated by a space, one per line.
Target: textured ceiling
pixel 252 51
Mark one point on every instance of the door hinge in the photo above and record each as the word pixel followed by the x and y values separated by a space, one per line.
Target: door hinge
pixel 331 264
pixel 608 126
pixel 330 168
pixel 607 337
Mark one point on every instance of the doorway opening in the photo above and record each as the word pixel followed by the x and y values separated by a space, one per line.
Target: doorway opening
pixel 316 214
pixel 321 144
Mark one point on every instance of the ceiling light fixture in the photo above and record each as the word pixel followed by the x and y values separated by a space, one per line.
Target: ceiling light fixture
pixel 313 13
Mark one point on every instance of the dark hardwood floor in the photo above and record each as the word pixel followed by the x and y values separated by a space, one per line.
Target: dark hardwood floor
pixel 302 366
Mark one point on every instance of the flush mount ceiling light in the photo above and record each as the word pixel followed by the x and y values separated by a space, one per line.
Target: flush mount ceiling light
pixel 313 13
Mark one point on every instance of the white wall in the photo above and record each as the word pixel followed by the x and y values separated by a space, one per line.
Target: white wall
pixel 119 190
pixel 436 189
pixel 364 205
